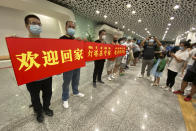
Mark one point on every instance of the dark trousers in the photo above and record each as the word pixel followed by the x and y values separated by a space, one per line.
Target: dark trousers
pixel 171 78
pixel 149 64
pixel 98 70
pixel 34 89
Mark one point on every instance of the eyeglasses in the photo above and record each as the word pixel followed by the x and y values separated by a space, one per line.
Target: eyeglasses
pixel 34 23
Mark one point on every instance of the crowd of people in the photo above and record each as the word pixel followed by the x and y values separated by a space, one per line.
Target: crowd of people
pixel 155 57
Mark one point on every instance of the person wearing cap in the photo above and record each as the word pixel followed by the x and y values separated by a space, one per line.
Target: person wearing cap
pixel 149 44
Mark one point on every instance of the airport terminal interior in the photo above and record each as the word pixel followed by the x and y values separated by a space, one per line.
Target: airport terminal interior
pixel 148 86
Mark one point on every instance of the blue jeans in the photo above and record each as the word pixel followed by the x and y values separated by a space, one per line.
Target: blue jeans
pixel 68 77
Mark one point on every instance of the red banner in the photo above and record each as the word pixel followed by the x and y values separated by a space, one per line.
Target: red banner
pixel 97 51
pixel 37 58
pixel 119 50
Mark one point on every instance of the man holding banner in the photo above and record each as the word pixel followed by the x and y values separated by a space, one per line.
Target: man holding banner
pixel 73 75
pixel 99 64
pixel 33 25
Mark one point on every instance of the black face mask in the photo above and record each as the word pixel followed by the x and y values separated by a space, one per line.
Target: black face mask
pixel 115 41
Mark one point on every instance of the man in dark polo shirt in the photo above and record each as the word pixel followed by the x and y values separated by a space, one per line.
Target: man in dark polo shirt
pixel 73 75
pixel 150 44
pixel 99 64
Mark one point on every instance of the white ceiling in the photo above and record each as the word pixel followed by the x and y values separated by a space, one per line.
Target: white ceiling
pixel 154 14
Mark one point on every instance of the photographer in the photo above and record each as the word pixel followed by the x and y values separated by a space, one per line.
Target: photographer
pixel 149 44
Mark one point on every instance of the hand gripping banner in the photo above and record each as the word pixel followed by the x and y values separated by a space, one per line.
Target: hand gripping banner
pixel 37 58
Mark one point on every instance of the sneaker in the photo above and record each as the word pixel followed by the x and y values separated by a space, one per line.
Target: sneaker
pixel 154 84
pixel 188 98
pixel 48 112
pixel 40 117
pixel 170 89
pixel 140 76
pixel 166 88
pixel 126 67
pixel 149 78
pixel 113 77
pixel 179 92
pixel 101 82
pixel 65 104
pixel 79 95
pixel 94 84
pixel 109 78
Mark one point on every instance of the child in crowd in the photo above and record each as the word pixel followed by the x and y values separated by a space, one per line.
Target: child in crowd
pixel 158 67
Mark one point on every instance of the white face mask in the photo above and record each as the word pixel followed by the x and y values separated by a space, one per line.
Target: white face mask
pixel 103 37
pixel 151 41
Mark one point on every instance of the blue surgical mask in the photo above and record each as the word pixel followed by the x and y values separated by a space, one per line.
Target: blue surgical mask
pixel 71 31
pixel 35 29
pixel 151 41
pixel 181 48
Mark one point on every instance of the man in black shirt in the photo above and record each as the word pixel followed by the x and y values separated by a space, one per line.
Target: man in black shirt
pixel 149 54
pixel 33 25
pixel 99 64
pixel 73 75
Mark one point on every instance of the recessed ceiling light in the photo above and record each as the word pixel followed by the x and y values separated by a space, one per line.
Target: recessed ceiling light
pixel 193 28
pixel 146 29
pixel 133 12
pixel 139 20
pixel 123 26
pixel 169 24
pixel 165 32
pixel 167 28
pixel 97 12
pixel 171 18
pixel 176 7
pixel 116 22
pixel 128 29
pixel 128 5
pixel 105 16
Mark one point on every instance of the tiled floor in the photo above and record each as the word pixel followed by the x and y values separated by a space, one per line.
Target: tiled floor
pixel 126 104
